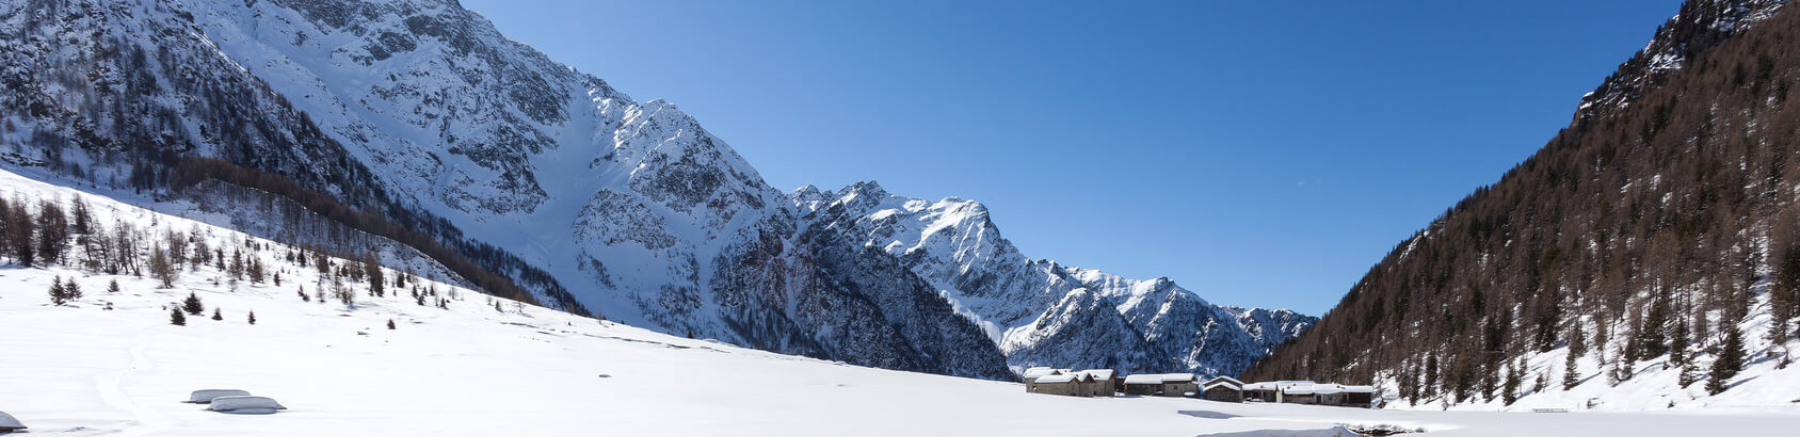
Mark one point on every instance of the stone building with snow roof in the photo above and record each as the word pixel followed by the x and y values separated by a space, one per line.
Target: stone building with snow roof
pixel 1066 384
pixel 1262 392
pixel 1180 384
pixel 1148 384
pixel 1222 391
pixel 1299 394
pixel 1105 383
pixel 1032 375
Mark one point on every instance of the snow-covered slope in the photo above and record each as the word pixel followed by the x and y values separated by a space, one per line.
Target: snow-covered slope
pixel 1043 313
pixel 82 369
pixel 1603 382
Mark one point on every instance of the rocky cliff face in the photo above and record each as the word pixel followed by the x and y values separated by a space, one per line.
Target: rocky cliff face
pixel 422 111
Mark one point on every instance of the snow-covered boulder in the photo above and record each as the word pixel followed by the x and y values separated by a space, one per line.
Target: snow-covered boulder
pixel 245 405
pixel 9 424
pixel 207 395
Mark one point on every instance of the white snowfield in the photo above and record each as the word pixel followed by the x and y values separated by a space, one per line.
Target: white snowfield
pixel 83 370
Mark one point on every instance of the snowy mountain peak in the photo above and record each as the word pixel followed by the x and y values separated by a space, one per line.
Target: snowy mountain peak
pixel 1051 314
pixel 422 112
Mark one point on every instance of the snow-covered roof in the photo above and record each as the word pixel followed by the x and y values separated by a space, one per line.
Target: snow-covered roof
pixel 1358 389
pixel 245 404
pixel 1179 377
pixel 1298 390
pixel 1327 389
pixel 1225 384
pixel 1037 372
pixel 1059 378
pixel 8 423
pixel 1261 386
pixel 207 395
pixel 1099 373
pixel 1147 378
pixel 1228 379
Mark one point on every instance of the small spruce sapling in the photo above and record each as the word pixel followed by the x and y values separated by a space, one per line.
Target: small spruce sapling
pixel 72 290
pixel 112 287
pixel 192 305
pixel 175 317
pixel 57 296
pixel 390 324
pixel 253 317
pixel 216 315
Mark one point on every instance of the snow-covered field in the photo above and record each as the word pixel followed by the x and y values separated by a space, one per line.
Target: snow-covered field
pixel 81 369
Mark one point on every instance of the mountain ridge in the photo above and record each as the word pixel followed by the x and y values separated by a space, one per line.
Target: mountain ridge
pixel 425 113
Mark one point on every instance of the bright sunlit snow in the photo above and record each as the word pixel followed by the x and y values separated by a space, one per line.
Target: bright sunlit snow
pixel 83 370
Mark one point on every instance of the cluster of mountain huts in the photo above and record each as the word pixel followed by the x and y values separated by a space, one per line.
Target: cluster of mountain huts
pixel 1105 382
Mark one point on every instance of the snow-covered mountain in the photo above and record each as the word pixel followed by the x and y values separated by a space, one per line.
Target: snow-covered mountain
pixel 422 111
pixel 1043 313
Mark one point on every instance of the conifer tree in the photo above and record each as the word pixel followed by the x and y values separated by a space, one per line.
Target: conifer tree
pixel 372 269
pixel 256 270
pixel 1678 342
pixel 237 264
pixel 1571 373
pixel 175 317
pixel 216 315
pixel 253 317
pixel 192 305
pixel 1651 340
pixel 1431 375
pixel 112 287
pixel 72 290
pixel 390 324
pixel 57 295
pixel 1510 391
pixel 1729 362
pixel 81 217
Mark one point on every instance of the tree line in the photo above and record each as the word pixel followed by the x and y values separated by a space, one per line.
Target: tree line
pixel 1637 233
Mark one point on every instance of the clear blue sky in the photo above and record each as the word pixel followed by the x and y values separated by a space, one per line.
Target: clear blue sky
pixel 1259 153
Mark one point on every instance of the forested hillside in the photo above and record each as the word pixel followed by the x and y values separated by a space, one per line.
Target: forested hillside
pixel 1659 229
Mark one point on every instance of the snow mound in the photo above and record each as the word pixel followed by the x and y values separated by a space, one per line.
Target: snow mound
pixel 207 395
pixel 1338 431
pixel 245 405
pixel 8 423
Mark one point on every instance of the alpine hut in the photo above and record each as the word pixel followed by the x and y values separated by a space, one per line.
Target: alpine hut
pixel 1223 391
pixel 1180 384
pixel 1105 381
pixel 1149 384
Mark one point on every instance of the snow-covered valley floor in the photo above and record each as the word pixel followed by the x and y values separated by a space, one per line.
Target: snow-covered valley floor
pixel 84 370
pixel 471 370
